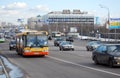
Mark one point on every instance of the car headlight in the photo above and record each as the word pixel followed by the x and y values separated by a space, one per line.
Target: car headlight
pixel 117 58
pixel 11 45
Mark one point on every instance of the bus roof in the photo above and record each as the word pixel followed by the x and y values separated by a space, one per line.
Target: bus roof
pixel 32 32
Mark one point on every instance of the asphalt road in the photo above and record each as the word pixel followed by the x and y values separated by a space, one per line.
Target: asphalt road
pixel 61 64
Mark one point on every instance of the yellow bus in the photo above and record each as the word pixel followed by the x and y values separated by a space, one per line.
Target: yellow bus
pixel 32 42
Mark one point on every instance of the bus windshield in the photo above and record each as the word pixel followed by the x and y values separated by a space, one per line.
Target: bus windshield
pixel 37 41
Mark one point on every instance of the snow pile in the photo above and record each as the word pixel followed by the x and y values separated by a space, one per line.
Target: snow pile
pixel 15 71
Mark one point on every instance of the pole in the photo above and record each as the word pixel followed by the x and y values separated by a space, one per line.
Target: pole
pixel 108 21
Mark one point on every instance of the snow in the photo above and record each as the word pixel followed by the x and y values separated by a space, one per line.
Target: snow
pixel 2 76
pixel 15 71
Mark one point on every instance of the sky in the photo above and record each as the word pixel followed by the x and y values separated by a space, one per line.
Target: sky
pixel 11 10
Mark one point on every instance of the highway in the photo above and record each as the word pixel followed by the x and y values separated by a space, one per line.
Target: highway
pixel 61 64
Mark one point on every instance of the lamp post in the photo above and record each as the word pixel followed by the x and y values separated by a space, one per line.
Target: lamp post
pixel 108 18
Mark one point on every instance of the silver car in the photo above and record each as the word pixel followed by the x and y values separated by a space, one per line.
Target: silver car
pixel 92 45
pixel 66 45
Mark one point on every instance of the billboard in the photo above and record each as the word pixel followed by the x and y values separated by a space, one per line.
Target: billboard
pixel 114 23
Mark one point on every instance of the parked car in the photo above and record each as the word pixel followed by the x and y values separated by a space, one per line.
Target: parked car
pixel 66 45
pixel 107 54
pixel 57 41
pixel 12 44
pixel 70 39
pixel 92 45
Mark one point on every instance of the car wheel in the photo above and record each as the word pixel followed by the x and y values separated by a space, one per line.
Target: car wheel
pixel 60 49
pixel 18 53
pixel 110 63
pixel 10 48
pixel 72 49
pixel 87 49
pixel 95 60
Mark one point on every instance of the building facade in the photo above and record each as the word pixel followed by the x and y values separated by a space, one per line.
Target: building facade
pixel 64 20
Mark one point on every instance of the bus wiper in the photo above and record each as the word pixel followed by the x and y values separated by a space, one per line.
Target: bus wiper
pixel 31 46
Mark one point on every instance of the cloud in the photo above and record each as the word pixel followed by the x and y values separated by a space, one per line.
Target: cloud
pixel 8 12
pixel 17 10
pixel 12 9
pixel 40 8
pixel 15 6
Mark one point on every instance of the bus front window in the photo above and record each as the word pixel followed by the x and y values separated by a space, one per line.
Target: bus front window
pixel 31 41
pixel 42 41
pixel 37 41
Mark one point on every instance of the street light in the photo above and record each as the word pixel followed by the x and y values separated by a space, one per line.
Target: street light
pixel 108 22
pixel 107 10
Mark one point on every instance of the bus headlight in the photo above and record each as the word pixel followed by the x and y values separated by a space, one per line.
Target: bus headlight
pixel 45 50
pixel 26 50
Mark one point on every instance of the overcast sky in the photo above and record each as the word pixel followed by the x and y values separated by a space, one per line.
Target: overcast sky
pixel 11 10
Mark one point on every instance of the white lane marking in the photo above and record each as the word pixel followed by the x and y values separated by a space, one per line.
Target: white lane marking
pixel 116 74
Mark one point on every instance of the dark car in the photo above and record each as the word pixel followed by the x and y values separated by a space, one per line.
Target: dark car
pixel 12 45
pixel 49 37
pixel 92 45
pixel 66 45
pixel 57 41
pixel 70 39
pixel 107 54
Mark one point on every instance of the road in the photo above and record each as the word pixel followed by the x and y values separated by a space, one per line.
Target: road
pixel 61 64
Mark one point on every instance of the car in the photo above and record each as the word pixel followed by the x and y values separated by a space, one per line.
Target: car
pixel 92 45
pixel 107 54
pixel 12 45
pixel 66 45
pixel 57 41
pixel 70 39
pixel 49 37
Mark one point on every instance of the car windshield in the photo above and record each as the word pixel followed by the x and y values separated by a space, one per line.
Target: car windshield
pixel 66 42
pixel 59 40
pixel 114 48
pixel 13 42
pixel 93 43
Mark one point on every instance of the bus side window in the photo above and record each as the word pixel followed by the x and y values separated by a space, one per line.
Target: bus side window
pixel 21 41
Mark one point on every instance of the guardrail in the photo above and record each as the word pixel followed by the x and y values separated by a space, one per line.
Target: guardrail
pixel 100 39
pixel 4 69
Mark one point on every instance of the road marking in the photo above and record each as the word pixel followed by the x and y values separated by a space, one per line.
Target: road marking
pixel 116 74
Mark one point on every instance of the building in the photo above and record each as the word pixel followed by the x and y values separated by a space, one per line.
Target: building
pixel 34 23
pixel 63 20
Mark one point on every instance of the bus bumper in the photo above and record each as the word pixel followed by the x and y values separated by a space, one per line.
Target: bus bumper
pixel 34 53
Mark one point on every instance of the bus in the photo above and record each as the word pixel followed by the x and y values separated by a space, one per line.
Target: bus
pixel 32 42
pixel 2 38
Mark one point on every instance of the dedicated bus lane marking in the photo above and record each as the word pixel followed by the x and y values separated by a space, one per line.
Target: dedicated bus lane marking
pixel 84 66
